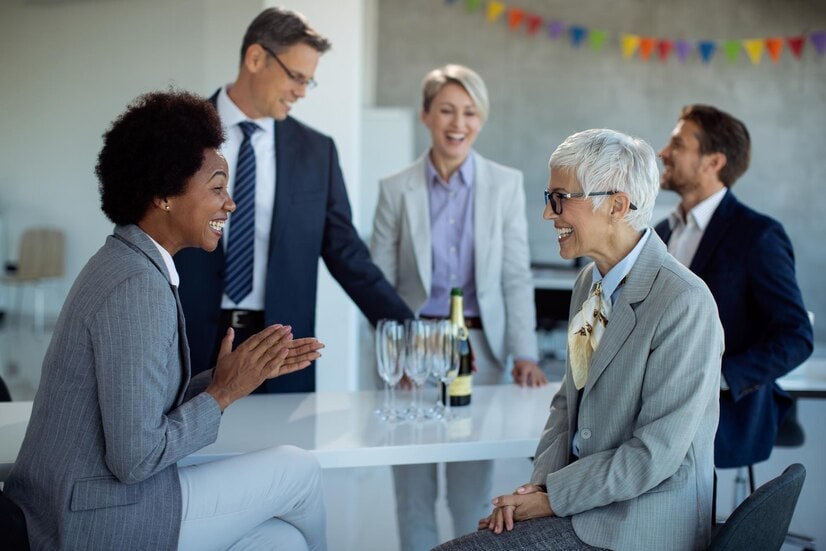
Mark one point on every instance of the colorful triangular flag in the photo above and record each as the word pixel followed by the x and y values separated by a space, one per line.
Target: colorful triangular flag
pixel 555 29
pixel 578 34
pixel 774 46
pixel 472 5
pixel 683 49
pixel 796 45
pixel 597 39
pixel 664 49
pixel 646 47
pixel 818 40
pixel 754 48
pixel 495 11
pixel 629 44
pixel 706 49
pixel 732 49
pixel 534 22
pixel 515 17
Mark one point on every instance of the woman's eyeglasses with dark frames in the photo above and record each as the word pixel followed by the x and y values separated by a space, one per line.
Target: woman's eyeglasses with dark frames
pixel 555 198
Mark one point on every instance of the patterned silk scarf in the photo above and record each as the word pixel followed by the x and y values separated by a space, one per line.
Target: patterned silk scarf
pixel 585 332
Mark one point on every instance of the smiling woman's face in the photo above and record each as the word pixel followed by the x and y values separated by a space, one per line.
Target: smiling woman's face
pixel 454 123
pixel 196 217
pixel 580 230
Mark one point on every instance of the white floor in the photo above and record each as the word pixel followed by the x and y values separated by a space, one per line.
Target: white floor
pixel 361 506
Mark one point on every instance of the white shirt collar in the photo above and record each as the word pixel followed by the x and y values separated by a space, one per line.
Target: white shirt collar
pixel 701 213
pixel 174 278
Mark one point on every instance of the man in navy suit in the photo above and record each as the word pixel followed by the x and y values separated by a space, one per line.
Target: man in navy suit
pixel 301 209
pixel 747 261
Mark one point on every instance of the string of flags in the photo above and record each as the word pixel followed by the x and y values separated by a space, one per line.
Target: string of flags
pixel 647 47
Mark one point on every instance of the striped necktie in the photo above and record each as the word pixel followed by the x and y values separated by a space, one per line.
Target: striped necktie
pixel 585 332
pixel 241 244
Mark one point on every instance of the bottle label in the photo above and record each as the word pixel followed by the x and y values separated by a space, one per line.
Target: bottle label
pixel 462 386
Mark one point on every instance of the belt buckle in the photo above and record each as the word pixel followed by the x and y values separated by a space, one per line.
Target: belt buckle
pixel 235 320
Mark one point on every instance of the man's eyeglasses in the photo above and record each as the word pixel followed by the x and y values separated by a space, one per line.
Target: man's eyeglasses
pixel 298 78
pixel 555 198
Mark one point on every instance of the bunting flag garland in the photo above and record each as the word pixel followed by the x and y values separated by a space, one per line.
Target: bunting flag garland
pixel 643 47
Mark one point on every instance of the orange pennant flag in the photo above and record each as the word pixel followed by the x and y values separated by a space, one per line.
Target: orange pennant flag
pixel 775 46
pixel 534 22
pixel 630 43
pixel 515 17
pixel 646 47
pixel 664 49
pixel 796 45
pixel 495 11
pixel 755 50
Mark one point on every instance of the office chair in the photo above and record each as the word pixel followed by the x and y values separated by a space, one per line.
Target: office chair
pixel 41 257
pixel 762 520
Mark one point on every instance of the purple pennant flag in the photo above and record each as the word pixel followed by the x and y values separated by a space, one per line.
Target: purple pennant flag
pixel 706 48
pixel 682 48
pixel 578 34
pixel 555 29
pixel 450 1
pixel 818 40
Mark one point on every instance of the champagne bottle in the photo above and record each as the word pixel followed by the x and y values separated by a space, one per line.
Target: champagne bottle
pixel 459 391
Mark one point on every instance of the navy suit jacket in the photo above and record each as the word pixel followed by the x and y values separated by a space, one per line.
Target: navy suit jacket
pixel 311 219
pixel 747 261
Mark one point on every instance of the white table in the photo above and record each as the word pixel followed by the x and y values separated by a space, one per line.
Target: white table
pixel 342 431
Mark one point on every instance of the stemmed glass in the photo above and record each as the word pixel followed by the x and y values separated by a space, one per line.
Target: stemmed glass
pixel 416 364
pixel 445 359
pixel 390 344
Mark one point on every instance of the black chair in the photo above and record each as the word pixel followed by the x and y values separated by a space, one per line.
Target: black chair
pixel 762 520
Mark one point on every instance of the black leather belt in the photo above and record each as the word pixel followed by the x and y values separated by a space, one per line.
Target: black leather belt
pixel 242 319
pixel 471 322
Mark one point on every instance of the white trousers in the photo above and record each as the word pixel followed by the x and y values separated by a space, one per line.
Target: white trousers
pixel 469 483
pixel 269 499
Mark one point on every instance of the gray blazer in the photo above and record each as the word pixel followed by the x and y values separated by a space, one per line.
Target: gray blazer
pixel 115 410
pixel 401 247
pixel 646 417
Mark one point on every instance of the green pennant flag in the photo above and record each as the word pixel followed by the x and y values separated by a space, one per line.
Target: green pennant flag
pixel 732 49
pixel 472 5
pixel 597 39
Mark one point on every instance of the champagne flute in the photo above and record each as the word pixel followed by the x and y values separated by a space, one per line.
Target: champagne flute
pixel 381 359
pixel 390 349
pixel 416 366
pixel 437 362
pixel 449 353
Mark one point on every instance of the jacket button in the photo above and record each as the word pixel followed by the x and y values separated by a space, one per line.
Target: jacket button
pixel 585 433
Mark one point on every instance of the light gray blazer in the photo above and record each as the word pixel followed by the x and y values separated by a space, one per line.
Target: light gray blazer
pixel 647 415
pixel 115 410
pixel 401 246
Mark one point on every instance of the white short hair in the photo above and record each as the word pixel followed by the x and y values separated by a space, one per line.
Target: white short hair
pixel 607 160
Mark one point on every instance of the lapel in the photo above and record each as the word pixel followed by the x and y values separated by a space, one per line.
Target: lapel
pixel 484 203
pixel 286 148
pixel 417 212
pixel 717 229
pixel 623 318
pixel 137 240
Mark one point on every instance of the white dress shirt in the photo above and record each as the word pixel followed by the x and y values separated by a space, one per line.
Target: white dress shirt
pixel 687 232
pixel 263 144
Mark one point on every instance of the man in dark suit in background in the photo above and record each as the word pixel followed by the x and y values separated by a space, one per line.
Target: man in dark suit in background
pixel 288 175
pixel 747 261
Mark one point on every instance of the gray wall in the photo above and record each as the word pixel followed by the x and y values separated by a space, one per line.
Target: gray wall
pixel 542 91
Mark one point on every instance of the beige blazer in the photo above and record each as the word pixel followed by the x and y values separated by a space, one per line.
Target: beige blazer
pixel 646 417
pixel 402 247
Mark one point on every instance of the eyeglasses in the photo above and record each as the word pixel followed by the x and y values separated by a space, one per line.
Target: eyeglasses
pixel 298 78
pixel 555 198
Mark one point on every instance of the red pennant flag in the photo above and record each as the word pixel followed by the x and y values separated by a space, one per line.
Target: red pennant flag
pixel 796 45
pixel 534 22
pixel 774 46
pixel 646 47
pixel 515 17
pixel 664 49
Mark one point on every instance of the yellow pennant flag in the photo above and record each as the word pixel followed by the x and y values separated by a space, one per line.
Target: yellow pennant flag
pixel 630 43
pixel 495 11
pixel 755 50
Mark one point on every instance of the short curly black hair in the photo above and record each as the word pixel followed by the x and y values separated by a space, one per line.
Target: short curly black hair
pixel 152 149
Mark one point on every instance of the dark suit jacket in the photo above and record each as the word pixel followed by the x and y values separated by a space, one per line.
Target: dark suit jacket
pixel 747 261
pixel 311 218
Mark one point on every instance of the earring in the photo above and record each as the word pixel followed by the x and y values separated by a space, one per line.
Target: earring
pixel 167 206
